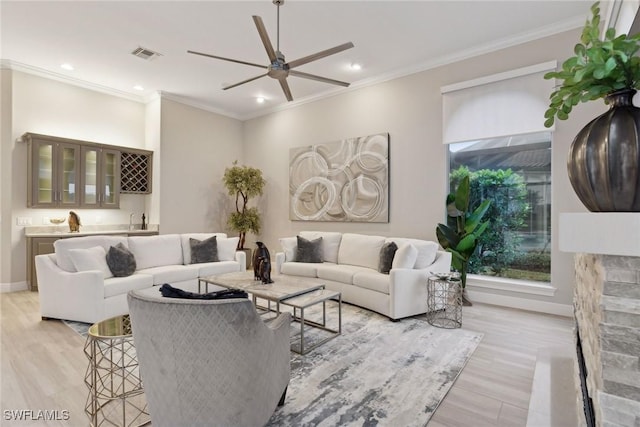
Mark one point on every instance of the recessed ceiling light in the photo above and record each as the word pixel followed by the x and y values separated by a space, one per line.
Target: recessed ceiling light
pixel 67 66
pixel 356 67
pixel 138 87
pixel 260 100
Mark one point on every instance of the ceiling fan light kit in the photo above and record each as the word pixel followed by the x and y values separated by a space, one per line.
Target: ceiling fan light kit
pixel 278 68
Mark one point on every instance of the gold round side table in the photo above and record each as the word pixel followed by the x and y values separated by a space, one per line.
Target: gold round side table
pixel 444 302
pixel 116 396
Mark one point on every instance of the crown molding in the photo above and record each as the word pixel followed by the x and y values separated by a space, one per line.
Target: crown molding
pixel 202 106
pixel 29 69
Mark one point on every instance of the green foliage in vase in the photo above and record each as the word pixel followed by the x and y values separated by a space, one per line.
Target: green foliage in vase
pixel 598 68
pixel 244 182
pixel 498 247
pixel 460 235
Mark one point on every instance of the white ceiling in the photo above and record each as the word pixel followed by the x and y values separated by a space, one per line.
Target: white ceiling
pixel 391 38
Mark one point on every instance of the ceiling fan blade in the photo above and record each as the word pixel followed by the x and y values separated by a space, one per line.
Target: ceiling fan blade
pixel 244 81
pixel 227 59
pixel 318 55
pixel 265 38
pixel 285 89
pixel 318 78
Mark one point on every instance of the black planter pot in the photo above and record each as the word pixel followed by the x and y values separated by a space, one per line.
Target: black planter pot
pixel 604 159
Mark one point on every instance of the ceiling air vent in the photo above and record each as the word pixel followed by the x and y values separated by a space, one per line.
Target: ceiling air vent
pixel 146 54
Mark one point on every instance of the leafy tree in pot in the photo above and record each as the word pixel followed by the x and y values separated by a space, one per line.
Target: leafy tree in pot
pixel 244 182
pixel 461 237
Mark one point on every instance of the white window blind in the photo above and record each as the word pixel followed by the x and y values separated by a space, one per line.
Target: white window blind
pixel 509 103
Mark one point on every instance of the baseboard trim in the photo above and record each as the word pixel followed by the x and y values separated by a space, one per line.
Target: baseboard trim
pixel 13 287
pixel 565 310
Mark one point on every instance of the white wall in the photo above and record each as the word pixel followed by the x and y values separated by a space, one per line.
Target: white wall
pixel 410 109
pixel 196 146
pixel 5 177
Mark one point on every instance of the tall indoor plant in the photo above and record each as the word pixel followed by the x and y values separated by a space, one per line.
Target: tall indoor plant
pixel 604 159
pixel 460 235
pixel 244 182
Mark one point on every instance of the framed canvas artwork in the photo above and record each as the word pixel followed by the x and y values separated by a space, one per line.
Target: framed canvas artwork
pixel 345 180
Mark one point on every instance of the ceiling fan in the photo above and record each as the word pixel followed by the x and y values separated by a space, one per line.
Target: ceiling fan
pixel 279 69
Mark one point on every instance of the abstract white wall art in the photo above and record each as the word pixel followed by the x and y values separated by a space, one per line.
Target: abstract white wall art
pixel 345 180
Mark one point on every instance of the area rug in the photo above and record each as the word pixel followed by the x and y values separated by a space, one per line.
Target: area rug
pixel 377 373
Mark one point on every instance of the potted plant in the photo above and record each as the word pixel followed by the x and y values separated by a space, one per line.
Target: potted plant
pixel 602 68
pixel 244 182
pixel 460 235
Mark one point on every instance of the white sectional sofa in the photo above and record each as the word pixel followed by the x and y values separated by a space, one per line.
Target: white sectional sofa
pixel 350 265
pixel 91 294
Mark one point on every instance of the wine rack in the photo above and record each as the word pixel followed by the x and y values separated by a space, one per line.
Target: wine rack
pixel 135 172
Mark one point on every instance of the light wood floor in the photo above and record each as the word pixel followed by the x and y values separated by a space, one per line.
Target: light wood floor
pixel 43 365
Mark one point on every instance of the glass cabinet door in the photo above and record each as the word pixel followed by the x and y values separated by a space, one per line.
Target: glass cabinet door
pixel 44 193
pixel 90 188
pixel 54 174
pixel 100 177
pixel 110 178
pixel 68 171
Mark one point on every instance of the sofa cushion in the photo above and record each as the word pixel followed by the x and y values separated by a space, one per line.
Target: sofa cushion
pixel 94 258
pixel 121 285
pixel 339 273
pixel 186 249
pixel 387 253
pixel 360 249
pixel 227 248
pixel 203 250
pixel 306 269
pixel 289 247
pixel 154 251
pixel 62 247
pixel 405 256
pixel 221 267
pixel 121 261
pixel 426 250
pixel 309 250
pixel 330 243
pixel 172 273
pixel 373 281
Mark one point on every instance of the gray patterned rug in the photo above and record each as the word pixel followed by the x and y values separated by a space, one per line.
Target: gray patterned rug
pixel 377 373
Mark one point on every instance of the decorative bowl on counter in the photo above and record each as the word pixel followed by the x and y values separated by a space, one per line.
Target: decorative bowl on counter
pixel 57 221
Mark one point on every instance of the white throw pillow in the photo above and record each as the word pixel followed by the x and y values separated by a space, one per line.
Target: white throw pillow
pixel 227 248
pixel 426 250
pixel 361 250
pixel 405 256
pixel 289 247
pixel 94 258
pixel 330 243
pixel 63 246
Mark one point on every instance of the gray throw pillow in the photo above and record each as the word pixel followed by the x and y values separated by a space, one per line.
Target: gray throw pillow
pixel 204 250
pixel 121 261
pixel 309 250
pixel 387 252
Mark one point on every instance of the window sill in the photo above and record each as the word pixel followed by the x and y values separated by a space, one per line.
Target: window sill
pixel 511 285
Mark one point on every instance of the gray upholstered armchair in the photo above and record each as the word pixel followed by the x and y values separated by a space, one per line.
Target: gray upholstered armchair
pixel 209 362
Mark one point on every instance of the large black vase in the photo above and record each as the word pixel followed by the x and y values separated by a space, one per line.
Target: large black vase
pixel 604 159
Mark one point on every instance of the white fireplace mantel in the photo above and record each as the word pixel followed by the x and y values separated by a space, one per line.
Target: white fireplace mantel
pixel 607 233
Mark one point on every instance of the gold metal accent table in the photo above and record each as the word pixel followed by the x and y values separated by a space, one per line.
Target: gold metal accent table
pixel 116 396
pixel 444 302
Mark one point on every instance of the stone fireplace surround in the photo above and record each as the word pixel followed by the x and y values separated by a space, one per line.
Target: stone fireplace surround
pixel 607 311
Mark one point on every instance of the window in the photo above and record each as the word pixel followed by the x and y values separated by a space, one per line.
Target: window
pixel 515 174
